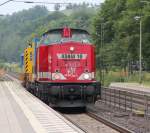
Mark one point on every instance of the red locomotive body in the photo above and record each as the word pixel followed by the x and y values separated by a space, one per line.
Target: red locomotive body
pixel 67 62
pixel 65 68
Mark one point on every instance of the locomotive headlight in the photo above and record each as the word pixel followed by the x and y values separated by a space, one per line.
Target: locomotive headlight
pixel 56 76
pixel 71 48
pixel 86 76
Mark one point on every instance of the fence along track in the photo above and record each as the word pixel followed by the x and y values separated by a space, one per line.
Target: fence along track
pixel 136 102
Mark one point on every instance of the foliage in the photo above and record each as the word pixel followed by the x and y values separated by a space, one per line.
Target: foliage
pixel 114 29
pixel 121 32
pixel 15 30
pixel 18 28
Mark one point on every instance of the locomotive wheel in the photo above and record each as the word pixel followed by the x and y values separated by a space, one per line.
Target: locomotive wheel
pixel 89 99
pixel 45 98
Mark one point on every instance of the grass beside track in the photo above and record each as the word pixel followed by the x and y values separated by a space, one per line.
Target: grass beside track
pixel 120 76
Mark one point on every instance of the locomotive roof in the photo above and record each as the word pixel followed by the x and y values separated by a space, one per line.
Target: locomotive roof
pixel 59 29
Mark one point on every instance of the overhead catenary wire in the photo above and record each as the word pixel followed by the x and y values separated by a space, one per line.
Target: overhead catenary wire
pixel 35 2
pixel 5 2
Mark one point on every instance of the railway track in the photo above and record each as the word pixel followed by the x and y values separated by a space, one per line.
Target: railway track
pixel 128 109
pixel 84 121
pixel 122 111
pixel 88 123
pixel 109 123
pixel 26 113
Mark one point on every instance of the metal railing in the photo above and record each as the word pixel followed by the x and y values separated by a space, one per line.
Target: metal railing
pixel 136 103
pixel 122 99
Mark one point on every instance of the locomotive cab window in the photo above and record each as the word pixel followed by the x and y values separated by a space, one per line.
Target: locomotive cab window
pixel 55 36
pixel 78 36
pixel 50 38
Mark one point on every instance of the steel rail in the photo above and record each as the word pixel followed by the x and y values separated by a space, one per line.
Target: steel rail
pixel 109 123
pixel 73 122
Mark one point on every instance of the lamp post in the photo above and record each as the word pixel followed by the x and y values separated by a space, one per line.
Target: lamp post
pixel 101 58
pixel 140 49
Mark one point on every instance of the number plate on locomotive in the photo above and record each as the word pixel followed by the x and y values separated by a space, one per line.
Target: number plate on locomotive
pixel 71 56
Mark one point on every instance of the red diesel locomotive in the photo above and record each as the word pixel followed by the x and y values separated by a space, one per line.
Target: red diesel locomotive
pixel 63 68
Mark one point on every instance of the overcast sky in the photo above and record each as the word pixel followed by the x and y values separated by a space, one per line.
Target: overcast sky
pixel 12 7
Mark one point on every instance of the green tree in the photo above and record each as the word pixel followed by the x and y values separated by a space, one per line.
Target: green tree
pixel 121 31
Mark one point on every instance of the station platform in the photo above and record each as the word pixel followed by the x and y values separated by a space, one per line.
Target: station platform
pixel 21 112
